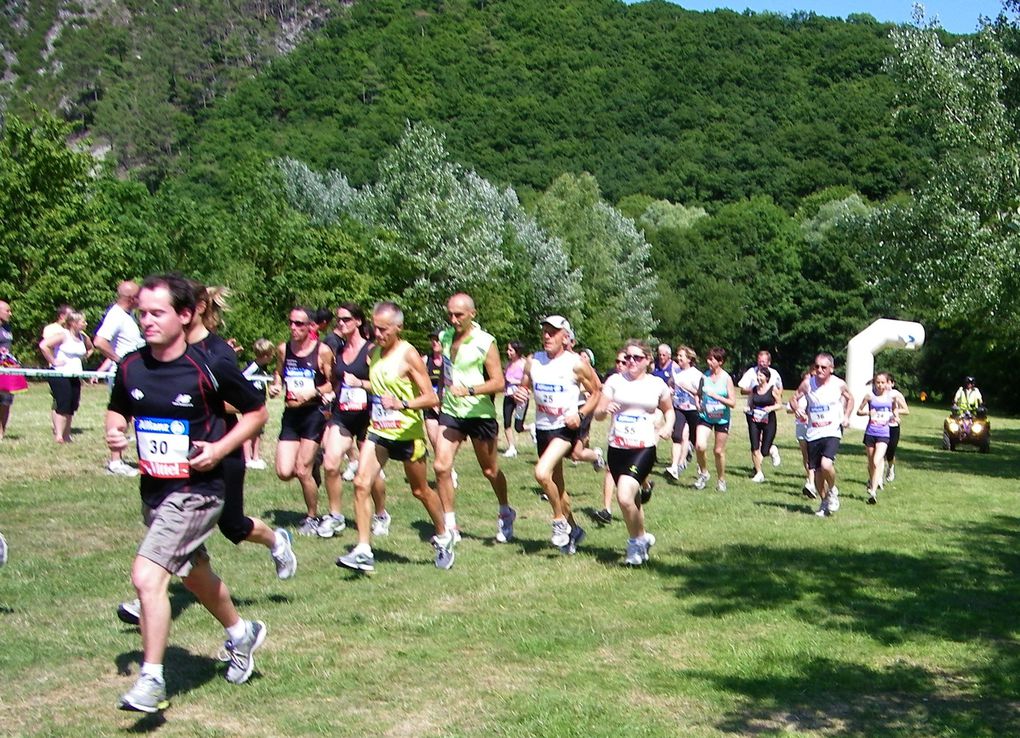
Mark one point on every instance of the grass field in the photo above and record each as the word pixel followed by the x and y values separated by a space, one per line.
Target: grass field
pixel 753 617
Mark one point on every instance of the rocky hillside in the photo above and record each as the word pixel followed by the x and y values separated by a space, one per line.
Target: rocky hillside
pixel 137 74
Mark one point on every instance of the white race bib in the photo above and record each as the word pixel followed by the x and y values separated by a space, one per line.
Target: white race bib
pixel 384 419
pixel 299 380
pixel 555 400
pixel 760 415
pixel 632 430
pixel 163 445
pixel 352 399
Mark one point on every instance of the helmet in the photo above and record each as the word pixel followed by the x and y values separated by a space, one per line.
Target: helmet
pixel 968 380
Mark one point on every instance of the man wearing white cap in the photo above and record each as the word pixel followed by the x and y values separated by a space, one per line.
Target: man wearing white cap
pixel 557 377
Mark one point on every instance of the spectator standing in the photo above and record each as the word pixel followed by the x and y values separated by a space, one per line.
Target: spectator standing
pixel 118 336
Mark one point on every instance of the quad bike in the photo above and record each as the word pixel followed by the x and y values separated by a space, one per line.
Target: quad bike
pixel 969 428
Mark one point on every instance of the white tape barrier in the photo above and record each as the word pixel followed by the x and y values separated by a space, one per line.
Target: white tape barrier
pixel 47 373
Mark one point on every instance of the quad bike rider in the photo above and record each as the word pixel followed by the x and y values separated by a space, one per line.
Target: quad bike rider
pixel 968 422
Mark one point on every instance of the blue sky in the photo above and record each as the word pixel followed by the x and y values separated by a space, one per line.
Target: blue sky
pixel 957 16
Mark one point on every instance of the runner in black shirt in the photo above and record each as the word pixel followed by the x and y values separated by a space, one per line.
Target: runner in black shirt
pixel 177 398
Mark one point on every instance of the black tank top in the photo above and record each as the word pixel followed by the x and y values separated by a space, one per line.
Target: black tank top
pixel 303 366
pixel 436 374
pixel 358 397
pixel 358 366
pixel 762 400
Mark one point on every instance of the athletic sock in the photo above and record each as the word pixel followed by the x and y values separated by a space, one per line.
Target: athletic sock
pixel 279 543
pixel 450 519
pixel 153 670
pixel 237 631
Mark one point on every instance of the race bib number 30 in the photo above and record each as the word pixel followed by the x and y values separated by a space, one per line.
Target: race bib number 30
pixel 163 445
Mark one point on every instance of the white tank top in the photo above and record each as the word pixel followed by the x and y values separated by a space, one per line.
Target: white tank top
pixel 554 383
pixel 825 409
pixel 72 350
pixel 634 425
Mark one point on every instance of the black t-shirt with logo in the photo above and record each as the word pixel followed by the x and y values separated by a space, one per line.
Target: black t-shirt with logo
pixel 174 403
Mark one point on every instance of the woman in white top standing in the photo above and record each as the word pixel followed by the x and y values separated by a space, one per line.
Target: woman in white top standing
pixel 66 351
pixel 635 398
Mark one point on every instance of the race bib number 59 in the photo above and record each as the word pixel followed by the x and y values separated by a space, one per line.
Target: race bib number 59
pixel 163 445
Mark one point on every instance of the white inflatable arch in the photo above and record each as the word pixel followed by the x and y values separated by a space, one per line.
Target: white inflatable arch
pixel 860 355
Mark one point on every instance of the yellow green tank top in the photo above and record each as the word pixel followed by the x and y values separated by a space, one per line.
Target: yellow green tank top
pixel 399 424
pixel 467 370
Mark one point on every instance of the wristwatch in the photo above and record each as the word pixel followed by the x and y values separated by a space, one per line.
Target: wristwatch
pixel 404 404
pixel 471 391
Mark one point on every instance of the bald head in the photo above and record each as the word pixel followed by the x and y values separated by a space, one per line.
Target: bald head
pixel 127 294
pixel 5 311
pixel 460 311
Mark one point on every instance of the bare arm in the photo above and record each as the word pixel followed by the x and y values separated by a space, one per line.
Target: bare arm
pixel 277 385
pixel 48 345
pixel 106 349
pixel 668 415
pixel 848 404
pixel 116 431
pixel 521 393
pixel 418 374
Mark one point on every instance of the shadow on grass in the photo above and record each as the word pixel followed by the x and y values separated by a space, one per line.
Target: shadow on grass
pixel 828 697
pixel 283 518
pixel 965 593
pixel 185 671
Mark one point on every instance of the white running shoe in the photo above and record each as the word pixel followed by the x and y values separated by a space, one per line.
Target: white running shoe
pixel 672 472
pixel 147 695
pixel 120 468
pixel 456 479
pixel 560 533
pixel 256 464
pixel 285 561
pixel 510 453
pixel 635 553
pixel 242 653
pixel 774 453
pixel 350 472
pixel 833 500
pixel 890 473
pixel 721 485
pixel 647 542
pixel 330 525
pixel 823 509
pixel 381 524
pixel 758 478
pixel 505 526
pixel 809 491
pixel 600 461
pixel 702 481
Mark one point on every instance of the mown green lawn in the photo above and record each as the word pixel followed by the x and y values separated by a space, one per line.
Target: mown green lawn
pixel 753 617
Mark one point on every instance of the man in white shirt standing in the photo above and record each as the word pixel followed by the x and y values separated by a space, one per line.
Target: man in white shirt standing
pixel 118 336
pixel 749 380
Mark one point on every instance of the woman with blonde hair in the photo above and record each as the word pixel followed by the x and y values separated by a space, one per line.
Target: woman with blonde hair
pixel 66 351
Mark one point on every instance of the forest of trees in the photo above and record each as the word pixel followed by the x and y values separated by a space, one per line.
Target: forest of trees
pixel 749 181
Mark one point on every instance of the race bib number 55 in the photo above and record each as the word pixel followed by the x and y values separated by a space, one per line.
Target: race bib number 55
pixel 163 445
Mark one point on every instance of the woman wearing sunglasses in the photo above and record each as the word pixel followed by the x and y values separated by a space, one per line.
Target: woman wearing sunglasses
pixel 633 396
